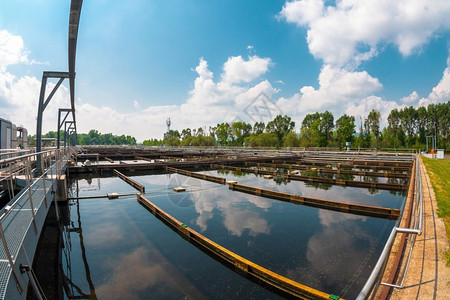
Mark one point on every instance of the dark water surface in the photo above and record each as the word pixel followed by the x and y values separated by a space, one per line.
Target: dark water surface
pixel 133 255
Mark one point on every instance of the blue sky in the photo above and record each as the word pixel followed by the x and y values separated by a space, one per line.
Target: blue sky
pixel 203 62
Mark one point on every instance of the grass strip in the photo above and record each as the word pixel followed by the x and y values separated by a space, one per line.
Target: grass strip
pixel 439 172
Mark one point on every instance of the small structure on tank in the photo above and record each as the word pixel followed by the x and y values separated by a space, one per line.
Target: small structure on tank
pixel 348 144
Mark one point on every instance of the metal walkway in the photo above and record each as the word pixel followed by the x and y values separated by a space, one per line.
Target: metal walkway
pixel 21 220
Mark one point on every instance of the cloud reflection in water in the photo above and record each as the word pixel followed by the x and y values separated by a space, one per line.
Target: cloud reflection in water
pixel 331 253
pixel 237 218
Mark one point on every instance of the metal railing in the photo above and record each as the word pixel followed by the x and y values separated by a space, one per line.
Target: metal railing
pixel 10 153
pixel 378 271
pixel 17 166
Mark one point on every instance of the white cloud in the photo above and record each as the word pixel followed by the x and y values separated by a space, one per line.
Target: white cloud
pixel 353 30
pixel 142 124
pixel 237 70
pixel 347 32
pixel 19 95
pixel 209 102
pixel 19 101
pixel 342 91
pixel 362 108
pixel 341 36
pixel 302 12
pixel 338 89
pixel 412 98
pixel 12 50
pixel 441 92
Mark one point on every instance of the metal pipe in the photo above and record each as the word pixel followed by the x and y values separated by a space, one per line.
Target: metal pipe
pixel 14 152
pixel 377 271
pixel 408 230
pixel 408 260
pixel 8 160
pixel 417 231
pixel 27 269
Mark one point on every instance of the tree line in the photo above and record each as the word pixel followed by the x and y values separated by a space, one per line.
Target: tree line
pixel 407 128
pixel 93 137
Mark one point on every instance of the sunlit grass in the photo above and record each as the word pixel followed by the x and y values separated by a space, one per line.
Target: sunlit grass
pixel 439 172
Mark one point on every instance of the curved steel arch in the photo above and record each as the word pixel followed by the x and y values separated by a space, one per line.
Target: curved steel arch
pixel 74 20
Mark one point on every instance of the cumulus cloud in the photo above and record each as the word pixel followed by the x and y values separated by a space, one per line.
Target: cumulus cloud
pixel 362 108
pixel 351 31
pixel 208 103
pixel 19 101
pixel 12 50
pixel 347 32
pixel 441 92
pixel 149 270
pixel 338 89
pixel 342 35
pixel 237 70
pixel 411 98
pixel 19 95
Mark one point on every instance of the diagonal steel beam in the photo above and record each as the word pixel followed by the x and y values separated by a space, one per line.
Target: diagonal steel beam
pixel 61 110
pixel 43 102
pixel 53 92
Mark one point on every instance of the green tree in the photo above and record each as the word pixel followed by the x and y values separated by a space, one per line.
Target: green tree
pixel 280 127
pixel 240 130
pixel 316 130
pixel 360 141
pixel 94 137
pixel 204 141
pixel 258 128
pixel 408 119
pixel 223 134
pixel 152 142
pixel 327 125
pixel 439 115
pixel 422 124
pixel 345 129
pixel 373 122
pixel 394 134
pixel 185 133
pixel 200 131
pixel 265 139
pixel 172 133
pixel 172 138
pixel 444 125
pixel 172 141
pixel 212 131
pixel 291 140
pixel 310 134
